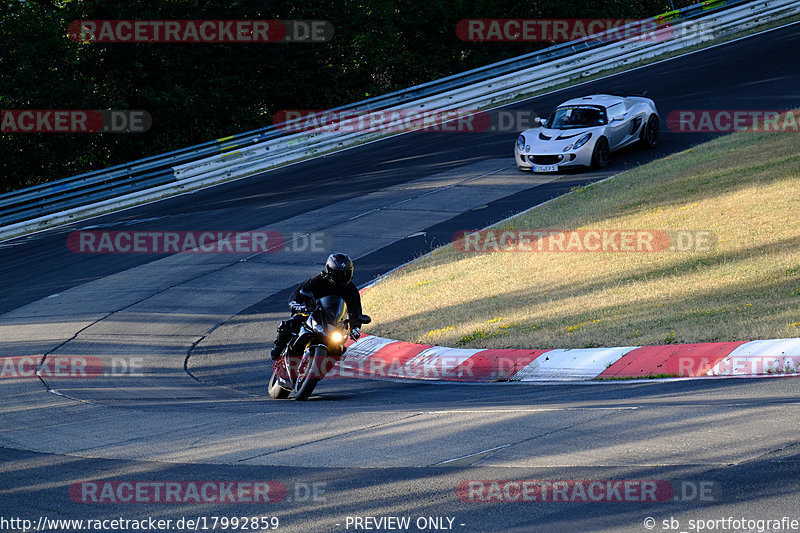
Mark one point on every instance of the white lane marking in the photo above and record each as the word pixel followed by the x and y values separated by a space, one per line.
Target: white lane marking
pixel 529 410
pixel 484 452
pixel 12 244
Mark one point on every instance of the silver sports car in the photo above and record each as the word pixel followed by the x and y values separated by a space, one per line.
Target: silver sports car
pixel 584 132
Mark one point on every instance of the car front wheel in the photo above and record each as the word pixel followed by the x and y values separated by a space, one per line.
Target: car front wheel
pixel 601 154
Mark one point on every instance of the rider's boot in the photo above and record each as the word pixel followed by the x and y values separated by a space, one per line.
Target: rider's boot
pixel 283 338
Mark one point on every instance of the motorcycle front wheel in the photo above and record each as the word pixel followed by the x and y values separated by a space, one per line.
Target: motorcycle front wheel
pixel 311 375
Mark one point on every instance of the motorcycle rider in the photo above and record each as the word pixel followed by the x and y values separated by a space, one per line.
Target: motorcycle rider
pixel 336 279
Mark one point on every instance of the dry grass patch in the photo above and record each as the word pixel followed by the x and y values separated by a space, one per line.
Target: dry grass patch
pixel 744 187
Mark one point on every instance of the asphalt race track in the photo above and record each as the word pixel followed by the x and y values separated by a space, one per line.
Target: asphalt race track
pixel 181 340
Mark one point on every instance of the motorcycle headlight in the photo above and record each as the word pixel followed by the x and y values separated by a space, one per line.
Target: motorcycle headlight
pixel 521 142
pixel 580 142
pixel 337 337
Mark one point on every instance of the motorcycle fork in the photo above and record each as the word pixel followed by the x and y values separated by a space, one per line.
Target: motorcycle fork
pixel 317 368
pixel 294 364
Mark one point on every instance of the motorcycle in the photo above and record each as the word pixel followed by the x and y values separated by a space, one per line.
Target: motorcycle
pixel 314 349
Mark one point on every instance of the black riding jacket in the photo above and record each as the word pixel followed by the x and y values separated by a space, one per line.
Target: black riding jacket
pixel 320 287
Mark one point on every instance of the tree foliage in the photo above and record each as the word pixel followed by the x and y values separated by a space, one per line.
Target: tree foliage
pixel 197 92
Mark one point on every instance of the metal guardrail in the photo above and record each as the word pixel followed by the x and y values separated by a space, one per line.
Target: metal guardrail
pixel 492 92
pixel 164 170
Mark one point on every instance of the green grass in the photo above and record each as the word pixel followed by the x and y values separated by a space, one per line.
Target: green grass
pixel 743 187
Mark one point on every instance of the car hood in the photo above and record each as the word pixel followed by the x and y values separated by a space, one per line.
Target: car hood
pixel 547 135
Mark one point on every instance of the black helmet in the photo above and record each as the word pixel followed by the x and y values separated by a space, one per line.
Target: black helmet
pixel 339 269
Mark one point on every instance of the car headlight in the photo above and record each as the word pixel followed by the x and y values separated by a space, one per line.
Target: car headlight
pixel 521 142
pixel 580 142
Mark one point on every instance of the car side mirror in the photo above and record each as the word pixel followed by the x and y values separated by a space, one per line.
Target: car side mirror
pixel 538 121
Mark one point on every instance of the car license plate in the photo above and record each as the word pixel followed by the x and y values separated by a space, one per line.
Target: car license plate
pixel 545 168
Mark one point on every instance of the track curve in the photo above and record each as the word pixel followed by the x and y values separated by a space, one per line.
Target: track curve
pixel 373 448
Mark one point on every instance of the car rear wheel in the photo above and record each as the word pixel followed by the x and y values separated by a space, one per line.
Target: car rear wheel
pixel 601 154
pixel 650 133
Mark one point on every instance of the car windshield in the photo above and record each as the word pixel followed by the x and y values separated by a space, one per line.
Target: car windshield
pixel 576 117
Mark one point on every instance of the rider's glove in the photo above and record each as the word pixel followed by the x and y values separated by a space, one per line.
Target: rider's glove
pixel 297 307
pixel 355 333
